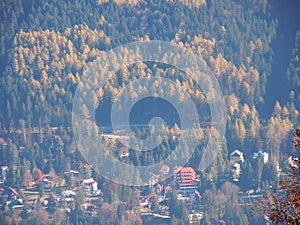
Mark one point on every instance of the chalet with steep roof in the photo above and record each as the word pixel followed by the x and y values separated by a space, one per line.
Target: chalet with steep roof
pixel 236 156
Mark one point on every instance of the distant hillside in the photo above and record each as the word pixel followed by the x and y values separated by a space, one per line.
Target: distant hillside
pixel 46 46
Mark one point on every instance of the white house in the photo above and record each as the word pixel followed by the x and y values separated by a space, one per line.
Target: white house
pixel 90 186
pixel 236 171
pixel 237 156
pixel 293 161
pixel 3 172
pixel 69 195
pixel 15 204
pixel 264 155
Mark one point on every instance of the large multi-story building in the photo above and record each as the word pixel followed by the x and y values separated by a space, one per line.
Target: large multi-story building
pixel 186 179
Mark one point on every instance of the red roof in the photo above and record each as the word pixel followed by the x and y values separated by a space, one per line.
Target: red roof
pixel 187 170
pixel 149 197
pixel 186 177
pixel 165 168
pixel 168 188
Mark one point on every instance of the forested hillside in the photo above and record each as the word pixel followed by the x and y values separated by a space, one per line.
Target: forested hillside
pixel 47 45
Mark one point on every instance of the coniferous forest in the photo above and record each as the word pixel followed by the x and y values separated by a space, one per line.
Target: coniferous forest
pixel 46 46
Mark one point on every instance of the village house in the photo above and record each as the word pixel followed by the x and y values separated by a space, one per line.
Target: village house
pixel 15 204
pixel 164 170
pixel 293 161
pixel 123 153
pixel 75 173
pixel 264 155
pixel 236 156
pixel 69 195
pixel 195 217
pixel 48 185
pixel 147 201
pixel 164 210
pixel 90 186
pixel 168 189
pixel 236 171
pixel 90 209
pixel 9 193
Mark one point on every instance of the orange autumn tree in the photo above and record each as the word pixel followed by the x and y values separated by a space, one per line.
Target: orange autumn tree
pixel 283 205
